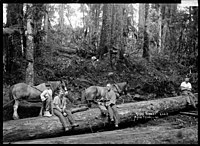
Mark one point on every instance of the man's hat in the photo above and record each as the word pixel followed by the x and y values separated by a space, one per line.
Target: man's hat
pixel 108 85
pixel 187 78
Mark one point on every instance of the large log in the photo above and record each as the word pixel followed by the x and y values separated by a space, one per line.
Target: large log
pixel 161 134
pixel 33 128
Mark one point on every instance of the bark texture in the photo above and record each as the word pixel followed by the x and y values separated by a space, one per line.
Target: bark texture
pixel 89 121
pixel 163 134
pixel 105 30
pixel 146 51
pixel 30 54
pixel 141 25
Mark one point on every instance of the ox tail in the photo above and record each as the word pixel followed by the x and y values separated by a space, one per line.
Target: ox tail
pixel 10 92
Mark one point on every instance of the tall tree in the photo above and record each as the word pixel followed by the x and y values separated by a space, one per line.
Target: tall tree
pixel 16 48
pixel 96 20
pixel 46 23
pixel 61 20
pixel 141 25
pixel 119 28
pixel 105 30
pixel 168 12
pixel 146 51
pixel 114 30
pixel 30 49
pixel 35 14
pixel 159 7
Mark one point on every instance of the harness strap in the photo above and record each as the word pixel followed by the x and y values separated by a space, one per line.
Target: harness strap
pixel 118 90
pixel 36 88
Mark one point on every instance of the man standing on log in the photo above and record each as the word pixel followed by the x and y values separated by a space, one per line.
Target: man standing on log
pixel 110 104
pixel 186 88
pixel 60 110
pixel 46 97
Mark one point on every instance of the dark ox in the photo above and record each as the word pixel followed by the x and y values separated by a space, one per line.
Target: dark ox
pixel 93 93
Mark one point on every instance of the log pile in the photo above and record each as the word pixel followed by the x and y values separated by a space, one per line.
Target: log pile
pixel 89 121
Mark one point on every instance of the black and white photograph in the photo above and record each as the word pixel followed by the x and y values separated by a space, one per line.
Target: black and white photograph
pixel 100 73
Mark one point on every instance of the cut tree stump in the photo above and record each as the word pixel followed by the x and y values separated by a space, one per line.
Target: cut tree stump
pixel 89 121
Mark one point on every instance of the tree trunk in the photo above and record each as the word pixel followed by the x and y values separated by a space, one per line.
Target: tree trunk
pixel 105 30
pixel 90 120
pixel 46 23
pixel 96 20
pixel 141 26
pixel 61 22
pixel 113 33
pixel 14 21
pixel 160 28
pixel 124 33
pixel 167 15
pixel 30 52
pixel 146 51
pixel 118 27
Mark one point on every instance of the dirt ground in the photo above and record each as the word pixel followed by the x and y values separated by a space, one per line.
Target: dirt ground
pixel 172 129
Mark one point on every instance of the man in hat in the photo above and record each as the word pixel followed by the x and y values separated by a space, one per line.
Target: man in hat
pixel 110 104
pixel 186 88
pixel 60 110
pixel 46 97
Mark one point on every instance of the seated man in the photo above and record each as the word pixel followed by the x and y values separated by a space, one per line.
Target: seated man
pixel 46 97
pixel 186 88
pixel 60 110
pixel 110 104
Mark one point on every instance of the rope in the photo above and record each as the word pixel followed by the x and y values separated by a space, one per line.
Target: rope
pixel 8 103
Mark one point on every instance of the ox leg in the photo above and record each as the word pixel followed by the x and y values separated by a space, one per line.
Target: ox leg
pixel 15 107
pixel 41 110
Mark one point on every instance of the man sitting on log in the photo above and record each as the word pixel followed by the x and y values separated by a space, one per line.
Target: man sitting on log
pixel 186 88
pixel 110 104
pixel 60 110
pixel 46 97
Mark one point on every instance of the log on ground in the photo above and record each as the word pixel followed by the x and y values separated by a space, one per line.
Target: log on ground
pixel 161 134
pixel 89 121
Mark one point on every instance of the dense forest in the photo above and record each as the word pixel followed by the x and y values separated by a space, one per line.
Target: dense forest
pixel 154 53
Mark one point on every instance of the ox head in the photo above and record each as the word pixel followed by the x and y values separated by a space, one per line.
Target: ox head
pixel 121 88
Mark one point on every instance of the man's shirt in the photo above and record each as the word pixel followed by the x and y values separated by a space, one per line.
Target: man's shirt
pixel 46 94
pixel 186 85
pixel 111 96
pixel 59 102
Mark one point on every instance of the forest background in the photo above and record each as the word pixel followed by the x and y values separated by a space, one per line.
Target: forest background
pixel 153 46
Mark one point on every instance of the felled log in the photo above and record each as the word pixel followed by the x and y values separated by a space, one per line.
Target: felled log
pixel 140 135
pixel 89 121
pixel 67 50
pixel 189 114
